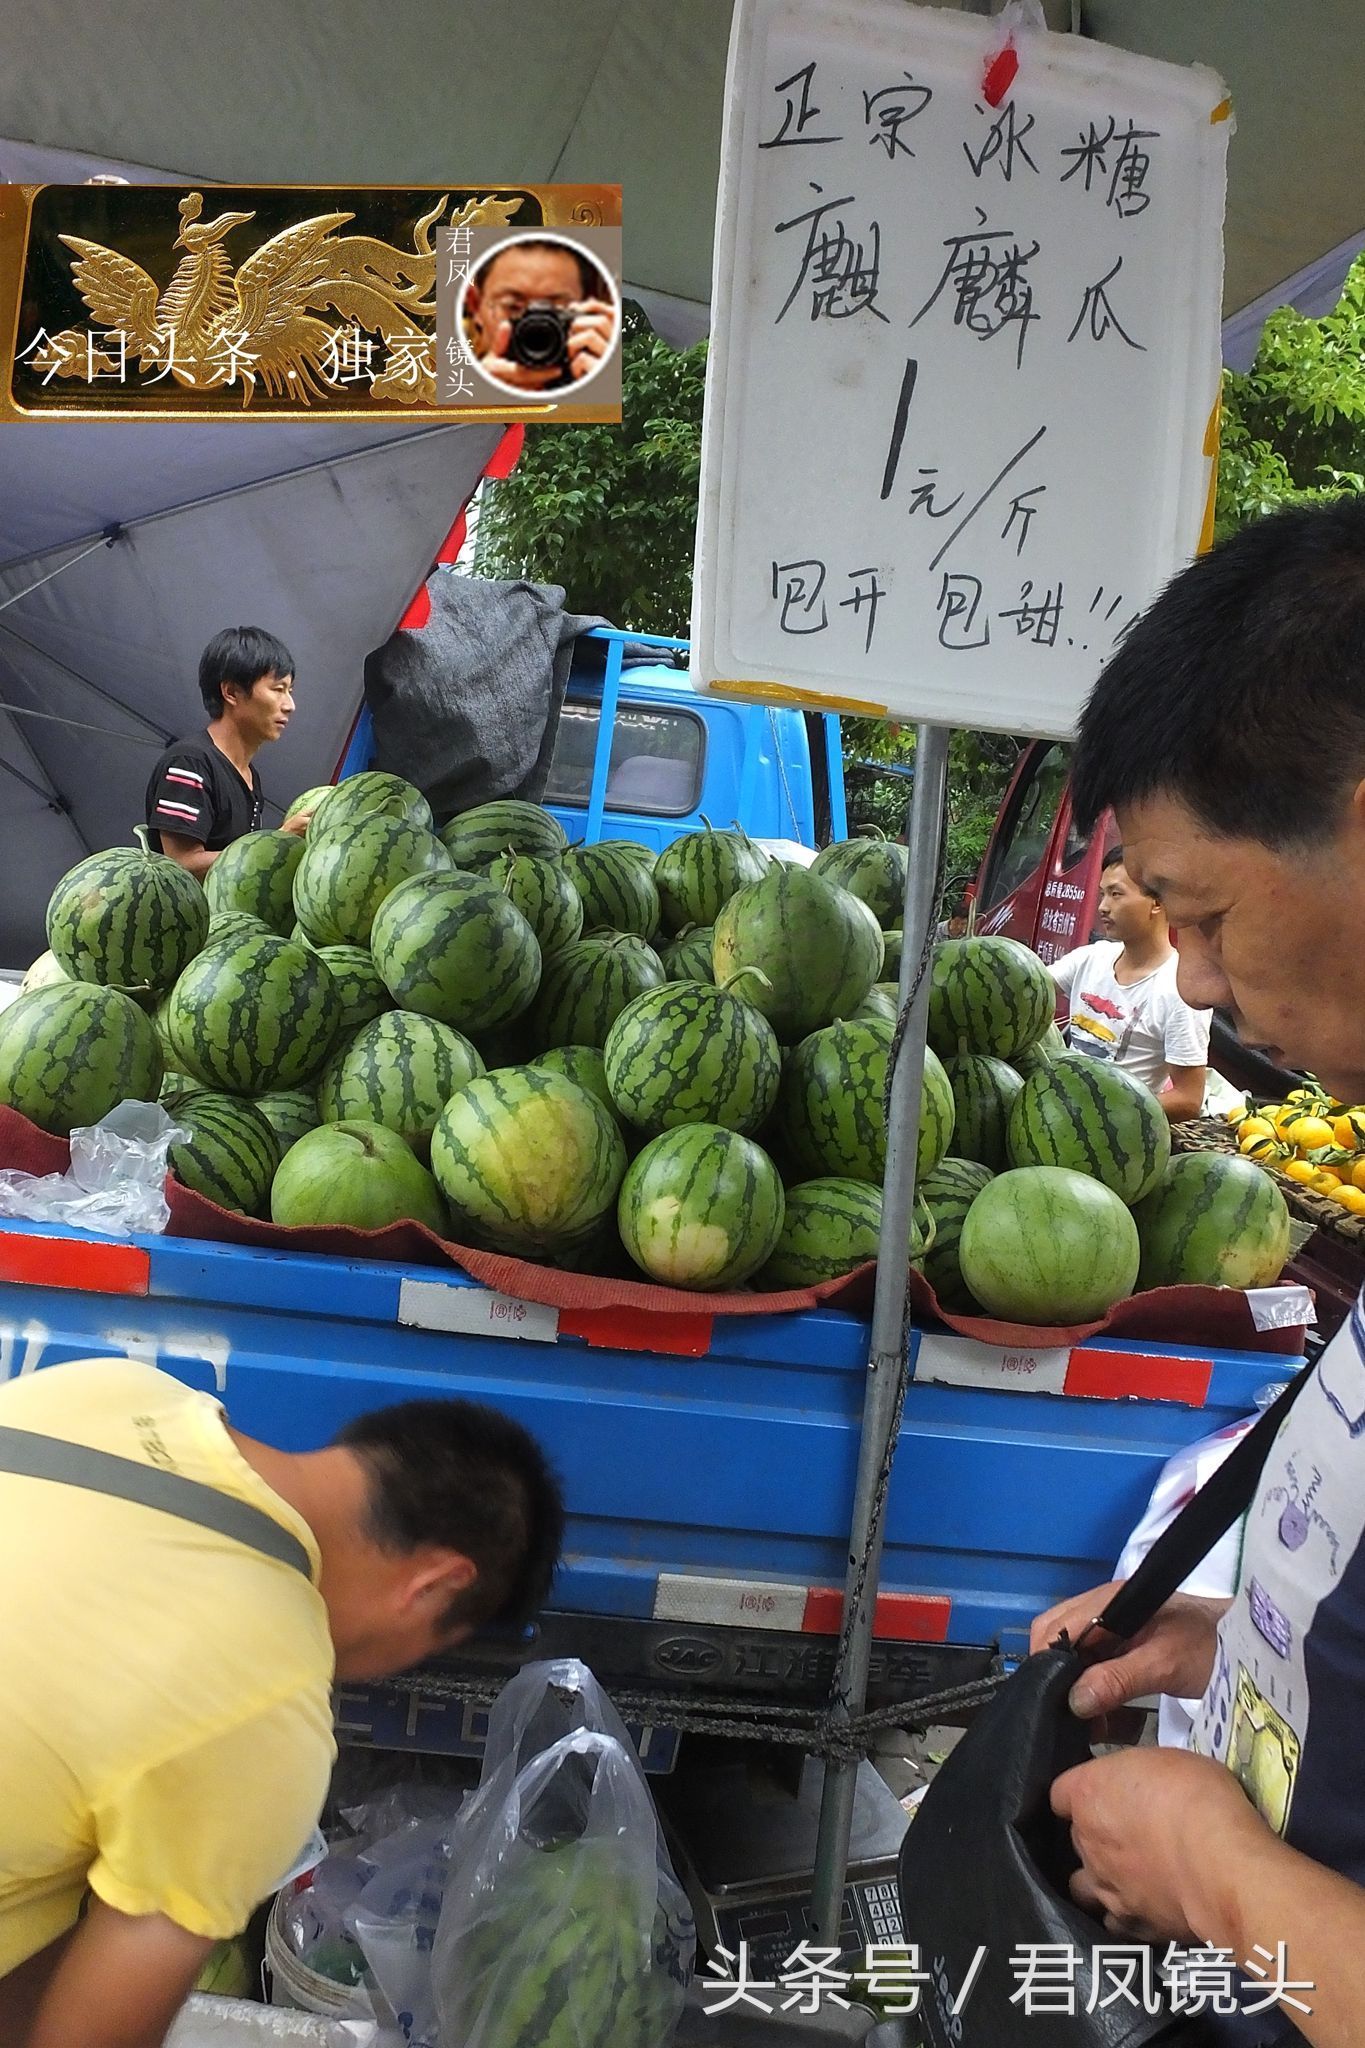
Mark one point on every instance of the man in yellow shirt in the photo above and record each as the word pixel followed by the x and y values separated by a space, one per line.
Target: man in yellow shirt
pixel 175 1603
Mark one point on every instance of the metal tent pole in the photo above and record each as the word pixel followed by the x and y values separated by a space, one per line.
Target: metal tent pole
pixel 886 1355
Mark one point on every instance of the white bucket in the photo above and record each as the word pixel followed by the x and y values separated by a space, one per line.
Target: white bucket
pixel 207 2022
pixel 301 1989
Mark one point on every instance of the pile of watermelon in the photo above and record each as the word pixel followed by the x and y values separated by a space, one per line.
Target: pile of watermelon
pixel 600 1060
pixel 1058 1195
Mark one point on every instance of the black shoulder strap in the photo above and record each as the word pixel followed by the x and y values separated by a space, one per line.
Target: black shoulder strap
pixel 1220 1500
pixel 29 1455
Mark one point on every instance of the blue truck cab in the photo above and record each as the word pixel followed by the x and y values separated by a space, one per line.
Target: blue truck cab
pixel 640 754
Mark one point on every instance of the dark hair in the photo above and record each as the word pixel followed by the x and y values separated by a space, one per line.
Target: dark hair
pixel 465 1478
pixel 240 655
pixel 1114 859
pixel 590 280
pixel 1252 657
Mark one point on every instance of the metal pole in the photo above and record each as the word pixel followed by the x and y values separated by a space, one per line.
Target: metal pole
pixel 886 1352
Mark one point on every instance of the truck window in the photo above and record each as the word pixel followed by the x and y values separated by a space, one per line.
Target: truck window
pixel 1024 836
pixel 657 756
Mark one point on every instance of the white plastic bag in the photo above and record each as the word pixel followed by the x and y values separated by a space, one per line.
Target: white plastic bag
pixel 395 1919
pixel 563 1923
pixel 116 1180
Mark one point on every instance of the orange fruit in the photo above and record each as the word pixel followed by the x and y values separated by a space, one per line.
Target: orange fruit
pixel 1324 1181
pixel 1351 1199
pixel 1349 1131
pixel 1358 1174
pixel 1254 1127
pixel 1301 1170
pixel 1308 1133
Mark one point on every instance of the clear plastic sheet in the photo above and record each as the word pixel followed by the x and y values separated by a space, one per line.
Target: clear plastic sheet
pixel 115 1182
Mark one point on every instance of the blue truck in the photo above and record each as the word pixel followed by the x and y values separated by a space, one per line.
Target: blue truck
pixel 709 1462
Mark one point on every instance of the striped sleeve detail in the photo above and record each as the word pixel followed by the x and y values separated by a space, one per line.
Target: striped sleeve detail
pixel 167 809
pixel 185 777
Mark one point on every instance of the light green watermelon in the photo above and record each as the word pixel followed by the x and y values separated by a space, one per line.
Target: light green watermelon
pixel 530 1163
pixel 1213 1221
pixel 1042 1244
pixel 356 1175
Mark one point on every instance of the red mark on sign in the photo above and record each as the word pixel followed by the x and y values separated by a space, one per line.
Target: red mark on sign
pixel 999 75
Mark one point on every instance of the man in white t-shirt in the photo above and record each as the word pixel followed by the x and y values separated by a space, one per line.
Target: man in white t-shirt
pixel 1124 1004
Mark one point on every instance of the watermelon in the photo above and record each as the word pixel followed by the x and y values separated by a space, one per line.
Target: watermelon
pixel 948 1193
pixel 699 873
pixel 989 996
pixel 831 1108
pixel 1051 1046
pixel 688 956
pixel 687 1053
pixel 1086 1115
pixel 345 876
pixel 255 875
pixel 453 947
pixel 893 942
pixel 399 1071
pixel 818 947
pixel 877 1007
pixel 1212 1221
pixel 70 1052
pixel 290 1112
pixel 253 1015
pixel 374 794
pixel 544 895
pixel 829 1226
pixel 625 849
pixel 230 1154
pixel 582 1064
pixel 529 1162
pixel 177 1088
pixel 44 972
pixel 476 838
pixel 984 1092
pixel 361 992
pixel 357 1175
pixel 617 892
pixel 308 800
pixel 586 987
pixel 232 925
pixel 701 1207
pixel 125 919
pixel 1042 1244
pixel 872 868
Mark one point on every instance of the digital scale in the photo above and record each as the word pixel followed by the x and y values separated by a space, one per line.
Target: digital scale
pixel 743 1845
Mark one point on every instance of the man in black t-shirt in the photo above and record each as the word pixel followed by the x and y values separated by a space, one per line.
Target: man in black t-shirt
pixel 205 792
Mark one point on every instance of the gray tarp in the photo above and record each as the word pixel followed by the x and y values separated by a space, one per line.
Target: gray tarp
pixel 319 533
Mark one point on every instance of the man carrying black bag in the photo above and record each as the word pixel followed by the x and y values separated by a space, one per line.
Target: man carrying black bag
pixel 1228 733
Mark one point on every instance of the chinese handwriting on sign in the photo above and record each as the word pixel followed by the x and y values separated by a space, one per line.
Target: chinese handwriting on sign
pixel 1050 1978
pixel 798 588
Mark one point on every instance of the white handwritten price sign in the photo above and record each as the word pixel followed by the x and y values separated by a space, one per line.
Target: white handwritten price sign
pixel 960 414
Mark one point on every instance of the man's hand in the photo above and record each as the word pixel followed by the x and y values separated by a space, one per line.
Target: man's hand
pixel 117 1983
pixel 591 336
pixel 1173 1654
pixel 1147 1824
pixel 299 823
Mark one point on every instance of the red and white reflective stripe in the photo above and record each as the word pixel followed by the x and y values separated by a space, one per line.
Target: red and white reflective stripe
pixel 87 1264
pixel 704 1599
pixel 185 775
pixel 1065 1369
pixel 190 811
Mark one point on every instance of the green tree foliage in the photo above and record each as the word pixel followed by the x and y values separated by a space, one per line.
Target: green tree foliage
pixel 979 768
pixel 611 512
pixel 1293 428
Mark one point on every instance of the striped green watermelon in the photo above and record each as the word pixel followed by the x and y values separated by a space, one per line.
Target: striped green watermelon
pixel 700 871
pixel 1051 1046
pixel 530 1163
pixel 44 972
pixel 375 794
pixel 948 1193
pixel 1086 1115
pixel 688 957
pixel 544 895
pixel 701 1207
pixel 232 925
pixel 70 1052
pixel 452 947
pixel 586 987
pixel 359 988
pixel 687 1053
pixel 126 919
pixel 255 875
pixel 176 1088
pixel 1042 1244
pixel 344 877
pixel 230 1154
pixel 475 839
pixel 877 1007
pixel 829 1226
pixel 818 946
pixel 399 1071
pixel 984 1092
pixel 257 1015
pixel 1212 1221
pixel 626 849
pixel 988 996
pixel 290 1112
pixel 581 1064
pixel 308 800
pixel 872 868
pixel 893 942
pixel 356 1175
pixel 617 892
pixel 831 1108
